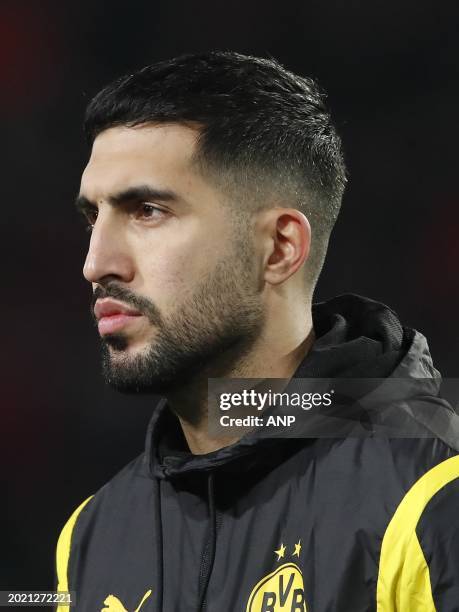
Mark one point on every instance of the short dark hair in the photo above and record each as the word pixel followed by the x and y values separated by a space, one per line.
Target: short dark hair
pixel 263 130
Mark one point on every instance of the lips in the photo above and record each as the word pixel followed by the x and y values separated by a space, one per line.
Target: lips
pixel 112 316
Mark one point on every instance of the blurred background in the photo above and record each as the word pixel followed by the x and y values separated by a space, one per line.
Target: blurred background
pixel 391 72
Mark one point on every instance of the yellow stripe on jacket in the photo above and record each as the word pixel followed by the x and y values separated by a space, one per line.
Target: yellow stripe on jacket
pixel 404 579
pixel 63 553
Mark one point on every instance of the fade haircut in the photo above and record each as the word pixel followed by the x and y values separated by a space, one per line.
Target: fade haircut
pixel 265 135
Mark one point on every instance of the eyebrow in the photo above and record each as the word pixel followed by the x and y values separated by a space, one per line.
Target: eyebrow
pixel 139 192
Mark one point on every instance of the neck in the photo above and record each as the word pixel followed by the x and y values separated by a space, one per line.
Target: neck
pixel 274 355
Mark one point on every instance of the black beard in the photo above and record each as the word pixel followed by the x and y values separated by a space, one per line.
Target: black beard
pixel 224 316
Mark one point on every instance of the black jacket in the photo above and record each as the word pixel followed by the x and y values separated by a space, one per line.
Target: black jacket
pixel 323 525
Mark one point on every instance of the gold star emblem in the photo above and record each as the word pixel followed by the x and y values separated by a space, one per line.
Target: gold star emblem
pixel 297 549
pixel 280 552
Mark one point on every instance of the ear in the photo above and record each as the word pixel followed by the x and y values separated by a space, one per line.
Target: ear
pixel 288 241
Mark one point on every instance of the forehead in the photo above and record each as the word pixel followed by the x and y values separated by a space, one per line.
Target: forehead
pixel 122 157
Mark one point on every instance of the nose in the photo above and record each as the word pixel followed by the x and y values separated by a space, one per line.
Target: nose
pixel 109 256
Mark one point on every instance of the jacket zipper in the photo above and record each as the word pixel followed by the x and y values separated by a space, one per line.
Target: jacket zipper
pixel 210 548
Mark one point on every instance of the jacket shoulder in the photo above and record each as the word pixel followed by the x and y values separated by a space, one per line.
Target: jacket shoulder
pixel 111 492
pixel 438 534
pixel 407 551
pixel 63 548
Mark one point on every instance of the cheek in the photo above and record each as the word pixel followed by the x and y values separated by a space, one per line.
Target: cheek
pixel 169 278
pixel 178 260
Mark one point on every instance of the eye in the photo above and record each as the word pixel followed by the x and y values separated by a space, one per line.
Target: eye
pixel 149 211
pixel 90 216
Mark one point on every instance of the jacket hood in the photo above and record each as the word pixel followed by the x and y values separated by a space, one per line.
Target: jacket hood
pixel 355 337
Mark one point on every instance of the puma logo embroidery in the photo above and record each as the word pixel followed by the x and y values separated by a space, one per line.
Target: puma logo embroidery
pixel 115 605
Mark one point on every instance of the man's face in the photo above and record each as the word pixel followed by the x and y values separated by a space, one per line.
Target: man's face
pixel 174 276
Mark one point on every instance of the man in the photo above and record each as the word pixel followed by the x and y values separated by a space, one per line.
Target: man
pixel 211 191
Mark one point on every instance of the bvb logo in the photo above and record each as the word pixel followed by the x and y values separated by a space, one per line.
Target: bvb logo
pixel 280 591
